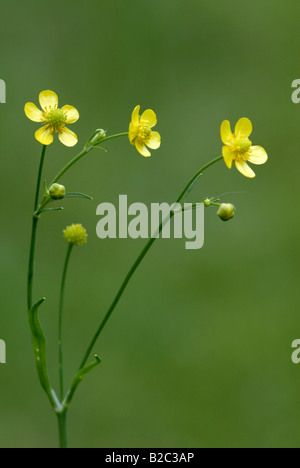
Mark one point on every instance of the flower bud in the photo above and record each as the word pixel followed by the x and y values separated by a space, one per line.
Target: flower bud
pixel 75 234
pixel 98 136
pixel 57 191
pixel 226 211
pixel 207 202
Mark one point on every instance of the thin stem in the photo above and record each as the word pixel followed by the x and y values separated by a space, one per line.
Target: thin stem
pixel 70 164
pixel 33 233
pixel 196 177
pixel 138 261
pixel 38 185
pixel 63 429
pixel 60 322
pixel 80 155
pixel 112 137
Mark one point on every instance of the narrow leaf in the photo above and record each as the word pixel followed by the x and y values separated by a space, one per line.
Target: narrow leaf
pixel 52 209
pixel 78 195
pixel 78 379
pixel 39 350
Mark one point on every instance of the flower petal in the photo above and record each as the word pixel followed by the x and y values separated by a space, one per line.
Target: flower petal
pixel 244 169
pixel 133 132
pixel 226 133
pixel 154 141
pixel 33 113
pixel 67 137
pixel 48 100
pixel 44 135
pixel 228 156
pixel 257 155
pixel 150 117
pixel 140 146
pixel 135 119
pixel 243 128
pixel 71 113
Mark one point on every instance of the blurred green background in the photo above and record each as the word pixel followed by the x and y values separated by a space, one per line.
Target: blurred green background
pixel 198 352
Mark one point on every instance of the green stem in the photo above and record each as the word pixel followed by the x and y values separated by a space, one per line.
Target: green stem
pixel 80 155
pixel 60 322
pixel 63 429
pixel 194 179
pixel 69 165
pixel 33 232
pixel 112 137
pixel 139 260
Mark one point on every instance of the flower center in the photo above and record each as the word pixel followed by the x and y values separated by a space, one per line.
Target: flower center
pixel 56 118
pixel 144 132
pixel 243 145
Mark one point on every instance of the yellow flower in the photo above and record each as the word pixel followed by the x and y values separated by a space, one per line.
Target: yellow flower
pixel 75 234
pixel 238 148
pixel 55 118
pixel 140 133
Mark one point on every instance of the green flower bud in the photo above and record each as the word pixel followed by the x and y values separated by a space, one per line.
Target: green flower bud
pixel 75 234
pixel 226 211
pixel 57 192
pixel 98 136
pixel 207 202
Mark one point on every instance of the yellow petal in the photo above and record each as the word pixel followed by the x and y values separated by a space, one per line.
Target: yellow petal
pixel 135 119
pixel 140 146
pixel 243 128
pixel 33 113
pixel 71 113
pixel 48 100
pixel 44 135
pixel 244 169
pixel 150 117
pixel 133 132
pixel 257 155
pixel 67 137
pixel 228 156
pixel 226 133
pixel 155 140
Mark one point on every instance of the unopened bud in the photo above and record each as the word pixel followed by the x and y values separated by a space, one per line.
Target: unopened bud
pixel 57 191
pixel 226 211
pixel 98 136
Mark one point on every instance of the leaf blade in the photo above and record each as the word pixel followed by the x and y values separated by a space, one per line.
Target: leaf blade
pixel 78 379
pixel 78 195
pixel 39 350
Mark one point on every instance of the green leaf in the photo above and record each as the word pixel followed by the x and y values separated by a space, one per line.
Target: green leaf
pixel 78 379
pixel 39 350
pixel 78 195
pixel 52 209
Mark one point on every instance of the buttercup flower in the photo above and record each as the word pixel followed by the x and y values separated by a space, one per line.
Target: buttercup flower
pixel 75 234
pixel 140 133
pixel 55 119
pixel 238 148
